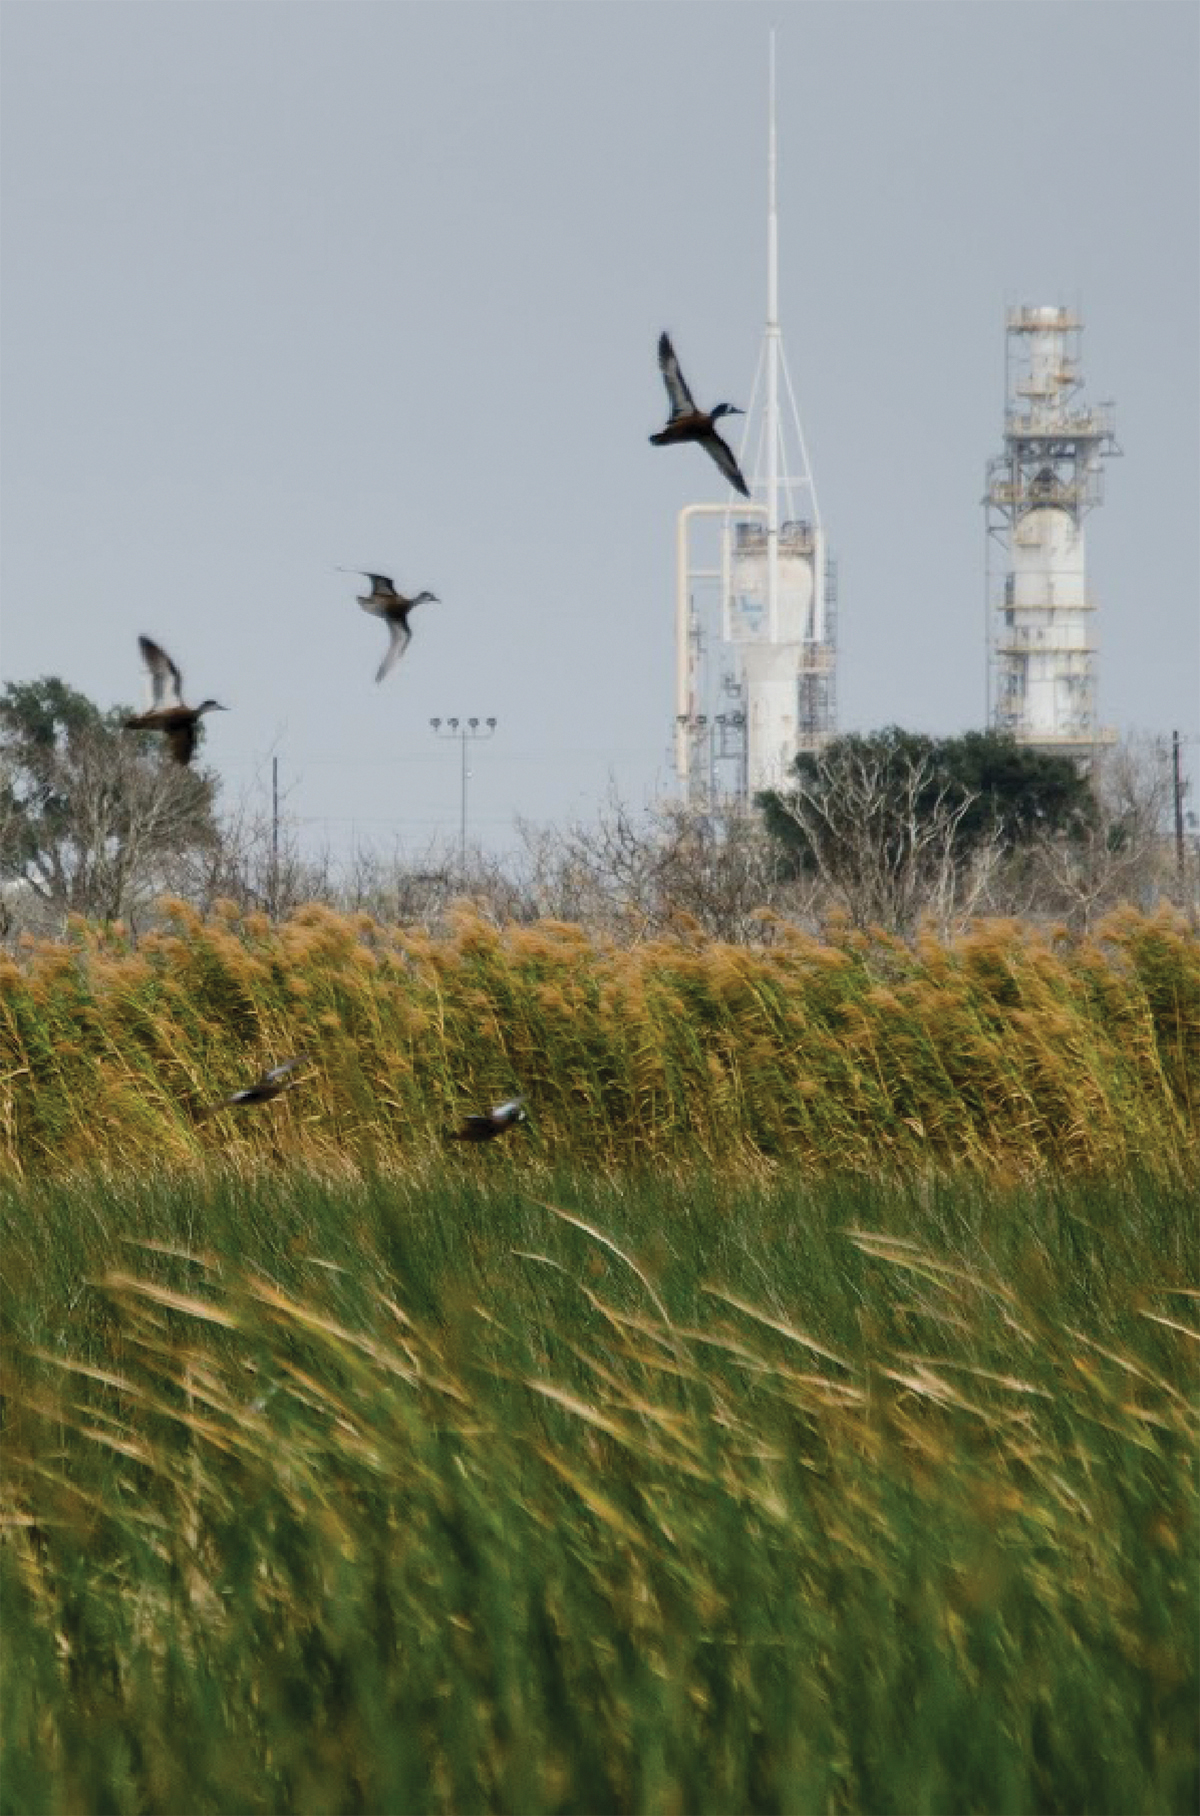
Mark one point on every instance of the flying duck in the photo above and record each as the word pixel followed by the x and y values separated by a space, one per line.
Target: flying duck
pixel 271 1084
pixel 687 423
pixel 485 1128
pixel 393 608
pixel 167 713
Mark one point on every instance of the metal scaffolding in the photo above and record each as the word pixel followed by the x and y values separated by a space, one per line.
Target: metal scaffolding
pixel 1041 670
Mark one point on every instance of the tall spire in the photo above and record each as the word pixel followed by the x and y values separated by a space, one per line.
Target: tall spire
pixel 772 366
pixel 772 650
pixel 784 482
pixel 772 211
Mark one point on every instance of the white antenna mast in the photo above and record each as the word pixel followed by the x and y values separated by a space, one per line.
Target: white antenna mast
pixel 772 414
pixel 776 638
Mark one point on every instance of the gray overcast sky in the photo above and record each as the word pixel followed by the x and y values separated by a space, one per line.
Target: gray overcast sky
pixel 286 286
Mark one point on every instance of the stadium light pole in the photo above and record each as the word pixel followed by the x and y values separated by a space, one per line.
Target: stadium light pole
pixel 466 731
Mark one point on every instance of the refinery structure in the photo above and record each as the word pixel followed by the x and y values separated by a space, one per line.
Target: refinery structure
pixel 755 613
pixel 756 593
pixel 1040 610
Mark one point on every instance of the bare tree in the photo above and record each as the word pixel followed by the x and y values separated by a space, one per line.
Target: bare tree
pixel 716 868
pixel 1123 855
pixel 256 861
pixel 882 835
pixel 91 821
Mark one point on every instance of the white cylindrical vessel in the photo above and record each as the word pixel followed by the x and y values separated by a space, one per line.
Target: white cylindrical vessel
pixel 771 663
pixel 1047 628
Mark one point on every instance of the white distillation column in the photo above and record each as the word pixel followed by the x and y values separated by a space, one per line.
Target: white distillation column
pixel 1046 635
pixel 1049 622
pixel 770 663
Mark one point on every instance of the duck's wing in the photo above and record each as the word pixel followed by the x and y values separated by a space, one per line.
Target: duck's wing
pixel 722 453
pixel 248 1094
pixel 383 591
pixel 181 740
pixel 251 1094
pixel 270 1084
pixel 380 582
pixel 473 1128
pixel 401 637
pixel 682 403
pixel 165 679
pixel 511 1111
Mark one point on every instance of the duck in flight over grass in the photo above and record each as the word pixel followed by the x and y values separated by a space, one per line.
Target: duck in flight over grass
pixel 167 714
pixel 271 1084
pixel 386 603
pixel 485 1128
pixel 687 423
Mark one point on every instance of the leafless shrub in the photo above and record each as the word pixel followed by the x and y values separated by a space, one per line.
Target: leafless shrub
pixel 257 861
pixel 1126 855
pixel 96 825
pixel 717 869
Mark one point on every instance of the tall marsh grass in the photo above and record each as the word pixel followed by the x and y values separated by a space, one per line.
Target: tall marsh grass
pixel 1007 1049
pixel 386 1497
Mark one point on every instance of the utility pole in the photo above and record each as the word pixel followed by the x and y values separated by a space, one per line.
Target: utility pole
pixel 1177 768
pixel 274 907
pixel 466 731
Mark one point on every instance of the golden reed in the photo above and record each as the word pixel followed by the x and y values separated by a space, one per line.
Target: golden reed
pixel 1012 1049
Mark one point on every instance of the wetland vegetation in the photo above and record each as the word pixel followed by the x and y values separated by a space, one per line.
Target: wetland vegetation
pixel 798 1416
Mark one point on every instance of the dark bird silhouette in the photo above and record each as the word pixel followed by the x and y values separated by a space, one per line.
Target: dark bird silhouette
pixel 386 603
pixel 271 1084
pixel 167 712
pixel 687 423
pixel 485 1128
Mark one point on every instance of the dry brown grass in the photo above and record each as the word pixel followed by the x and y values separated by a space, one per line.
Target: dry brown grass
pixel 1008 1049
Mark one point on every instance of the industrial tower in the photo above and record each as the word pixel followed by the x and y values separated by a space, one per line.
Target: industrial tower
pixel 755 679
pixel 1041 646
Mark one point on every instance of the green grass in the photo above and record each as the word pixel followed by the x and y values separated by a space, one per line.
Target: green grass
pixel 365 1495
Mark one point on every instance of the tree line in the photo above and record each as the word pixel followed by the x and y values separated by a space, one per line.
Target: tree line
pixel 885 828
